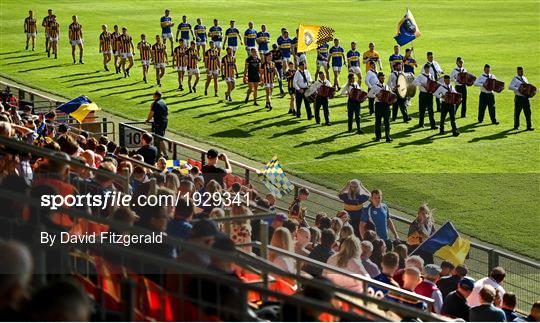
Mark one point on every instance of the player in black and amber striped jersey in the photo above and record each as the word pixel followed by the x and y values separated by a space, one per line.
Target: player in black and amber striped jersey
pixel 211 61
pixel 114 42
pixel 228 72
pixel 180 63
pixel 193 70
pixel 105 45
pixel 290 85
pixel 54 33
pixel 268 72
pixel 145 51
pixel 30 28
pixel 45 24
pixel 159 58
pixel 126 49
pixel 76 38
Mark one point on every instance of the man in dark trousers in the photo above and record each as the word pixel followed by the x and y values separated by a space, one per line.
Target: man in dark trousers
pixel 301 82
pixel 521 102
pixel 447 107
pixel 382 109
pixel 487 98
pixel 160 112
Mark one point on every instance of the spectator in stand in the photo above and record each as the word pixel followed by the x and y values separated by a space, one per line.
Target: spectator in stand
pixel 325 223
pixel 337 224
pixel 292 225
pixel 291 312
pixel 449 284
pixel 486 311
pixel 402 251
pixel 159 112
pixel 241 229
pixel 494 280
pixel 211 171
pixel 455 303
pixel 303 237
pixel 432 273
pixel 16 266
pixel 411 279
pixel 389 265
pixel 348 258
pixel 534 316
pixel 354 195
pixel 377 216
pixel 446 268
pixel 148 150
pixel 60 301
pixel 367 250
pixel 411 261
pixel 203 234
pixel 277 222
pixel 509 307
pixel 379 249
pixel 346 231
pixel 420 230
pixel 172 182
pixel 344 216
pixel 322 252
pixel 315 240
pixel 318 218
pixel 282 239
pixel 180 226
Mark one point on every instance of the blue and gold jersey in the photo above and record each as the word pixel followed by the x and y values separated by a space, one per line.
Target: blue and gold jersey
pixel 250 37
pixel 263 38
pixel 354 57
pixel 216 33
pixel 394 59
pixel 322 52
pixel 336 52
pixel 200 32
pixel 285 45
pixel 184 28
pixel 232 36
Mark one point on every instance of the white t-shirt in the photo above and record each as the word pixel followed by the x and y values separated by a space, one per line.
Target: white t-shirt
pixel 474 299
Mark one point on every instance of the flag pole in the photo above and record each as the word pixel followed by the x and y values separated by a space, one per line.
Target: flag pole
pixel 416 249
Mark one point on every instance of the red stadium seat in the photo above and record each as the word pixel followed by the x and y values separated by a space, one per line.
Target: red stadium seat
pixel 193 162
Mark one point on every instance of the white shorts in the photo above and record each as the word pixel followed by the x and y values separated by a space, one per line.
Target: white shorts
pixel 181 68
pixel 322 63
pixel 145 62
pixel 301 58
pixel 53 39
pixel 126 55
pixel 31 35
pixel 212 72
pixel 234 48
pixel 159 65
pixel 268 85
pixel 230 79
pixel 186 42
pixel 193 71
pixel 249 48
pixel 336 68
pixel 355 70
pixel 201 43
pixel 167 36
pixel 107 52
pixel 218 44
pixel 76 42
pixel 264 51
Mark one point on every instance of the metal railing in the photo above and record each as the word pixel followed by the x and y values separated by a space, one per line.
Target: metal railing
pixel 523 276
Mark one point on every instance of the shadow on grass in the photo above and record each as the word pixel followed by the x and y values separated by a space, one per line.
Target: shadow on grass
pixel 241 114
pixel 116 86
pixel 281 123
pixel 231 108
pixel 76 79
pixel 497 136
pixel 77 74
pixel 99 81
pixel 328 139
pixel 350 150
pixel 44 67
pixel 127 91
pixel 25 61
pixel 232 133
pixel 13 52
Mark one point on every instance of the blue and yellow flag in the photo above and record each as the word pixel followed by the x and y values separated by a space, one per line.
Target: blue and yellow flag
pixel 274 178
pixel 407 29
pixel 183 166
pixel 447 244
pixel 79 108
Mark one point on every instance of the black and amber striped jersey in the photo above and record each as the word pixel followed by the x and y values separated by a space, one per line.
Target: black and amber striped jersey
pixel 105 41
pixel 290 78
pixel 192 57
pixel 114 40
pixel 158 53
pixel 30 25
pixel 211 59
pixel 228 64
pixel 46 21
pixel 75 31
pixel 124 43
pixel 268 71
pixel 54 29
pixel 180 58
pixel 145 50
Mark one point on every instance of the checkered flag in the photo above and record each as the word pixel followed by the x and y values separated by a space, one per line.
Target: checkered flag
pixel 325 35
pixel 275 180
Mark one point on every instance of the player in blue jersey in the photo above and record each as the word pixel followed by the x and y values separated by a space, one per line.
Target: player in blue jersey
pixel 409 63
pixel 200 36
pixel 166 31
pixel 285 44
pixel 184 29
pixel 322 59
pixel 250 38
pixel 337 54
pixel 263 38
pixel 395 58
pixel 353 58
pixel 215 33
pixel 232 36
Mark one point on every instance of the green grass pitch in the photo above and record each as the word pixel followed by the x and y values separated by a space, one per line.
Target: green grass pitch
pixel 486 181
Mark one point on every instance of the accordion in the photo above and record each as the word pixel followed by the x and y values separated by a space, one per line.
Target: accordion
pixel 432 86
pixel 452 98
pixel 357 95
pixel 387 97
pixel 326 91
pixel 527 90
pixel 494 85
pixel 465 78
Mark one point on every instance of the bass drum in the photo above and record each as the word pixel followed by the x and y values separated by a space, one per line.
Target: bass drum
pixel 406 88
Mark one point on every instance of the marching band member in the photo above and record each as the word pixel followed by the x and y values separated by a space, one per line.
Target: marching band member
pixel 371 55
pixel 487 98
pixel 353 58
pixel 268 72
pixel 353 107
pixel 211 62
pixel 425 101
pixel 371 80
pixel 400 103
pixel 446 107
pixel 382 110
pixel 337 53
pixel 395 57
pixel 301 82
pixel 436 72
pixel 228 72
pixel 322 59
pixel 321 101
pixel 460 88
pixel 521 102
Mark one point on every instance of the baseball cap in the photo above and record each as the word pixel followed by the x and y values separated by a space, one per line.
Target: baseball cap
pixel 432 270
pixel 281 217
pixel 204 228
pixel 467 283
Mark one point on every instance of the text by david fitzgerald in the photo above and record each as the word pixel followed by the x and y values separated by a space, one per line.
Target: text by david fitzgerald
pixel 103 237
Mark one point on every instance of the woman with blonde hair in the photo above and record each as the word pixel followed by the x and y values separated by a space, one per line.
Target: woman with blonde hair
pixel 348 258
pixel 282 239
pixel 337 224
pixel 172 182
pixel 241 229
pixel 346 231
pixel 354 195
pixel 420 230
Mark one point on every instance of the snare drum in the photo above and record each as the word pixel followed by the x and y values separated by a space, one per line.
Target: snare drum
pixel 357 95
pixel 406 88
pixel 466 78
pixel 432 86
pixel 387 97
pixel 326 91
pixel 311 92
pixel 527 90
pixel 452 98
pixel 494 85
